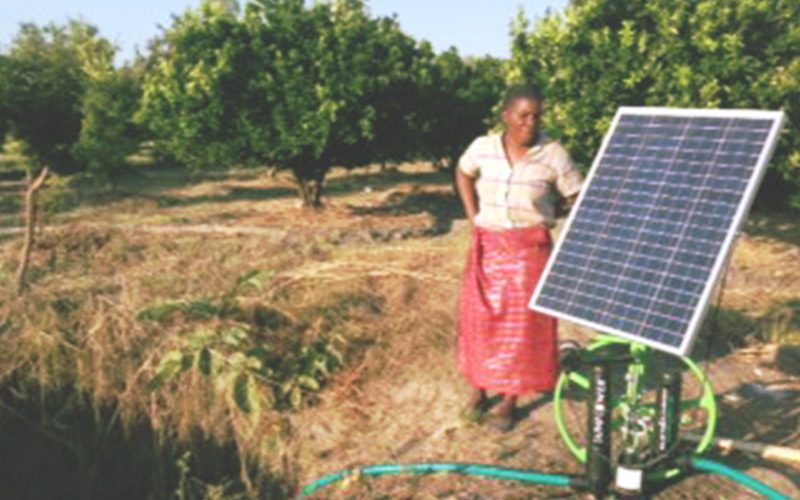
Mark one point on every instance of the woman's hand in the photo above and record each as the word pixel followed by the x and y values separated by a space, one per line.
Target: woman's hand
pixel 466 191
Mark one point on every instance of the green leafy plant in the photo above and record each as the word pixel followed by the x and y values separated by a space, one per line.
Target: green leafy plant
pixel 194 309
pixel 250 374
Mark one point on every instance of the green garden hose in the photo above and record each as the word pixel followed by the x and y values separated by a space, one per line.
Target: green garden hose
pixel 562 481
pixel 435 468
pixel 705 465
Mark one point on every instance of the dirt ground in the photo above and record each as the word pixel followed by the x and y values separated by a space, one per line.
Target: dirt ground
pixel 414 418
pixel 408 412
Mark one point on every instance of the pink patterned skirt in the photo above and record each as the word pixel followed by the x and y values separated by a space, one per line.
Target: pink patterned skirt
pixel 503 346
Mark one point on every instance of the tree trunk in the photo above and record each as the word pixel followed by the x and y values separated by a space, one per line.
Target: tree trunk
pixel 30 225
pixel 309 185
pixel 310 192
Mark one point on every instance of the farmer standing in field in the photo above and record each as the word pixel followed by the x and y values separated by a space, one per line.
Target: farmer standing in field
pixel 505 182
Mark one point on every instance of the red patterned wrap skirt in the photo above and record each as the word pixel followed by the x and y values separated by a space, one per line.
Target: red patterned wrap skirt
pixel 503 346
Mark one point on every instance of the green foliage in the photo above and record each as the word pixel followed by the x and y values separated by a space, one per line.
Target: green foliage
pixel 304 88
pixel 195 87
pixel 255 279
pixel 41 87
pixel 250 366
pixel 391 96
pixel 59 196
pixel 108 134
pixel 782 323
pixel 252 376
pixel 336 88
pixel 14 157
pixel 5 122
pixel 62 96
pixel 195 309
pixel 700 53
pixel 457 101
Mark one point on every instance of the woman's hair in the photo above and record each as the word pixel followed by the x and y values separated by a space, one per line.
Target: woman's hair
pixel 522 91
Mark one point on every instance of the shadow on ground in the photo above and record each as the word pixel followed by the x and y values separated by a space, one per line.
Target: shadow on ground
pixel 151 185
pixel 445 207
pixel 761 413
pixel 70 450
pixel 723 332
pixel 231 195
pixel 377 181
pixel 781 226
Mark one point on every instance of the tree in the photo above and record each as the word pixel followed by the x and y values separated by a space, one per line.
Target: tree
pixel 42 87
pixel 108 134
pixel 458 103
pixel 303 88
pixel 396 98
pixel 5 123
pixel 335 86
pixel 700 53
pixel 195 92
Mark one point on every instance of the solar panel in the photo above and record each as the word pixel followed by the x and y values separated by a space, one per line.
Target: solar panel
pixel 642 249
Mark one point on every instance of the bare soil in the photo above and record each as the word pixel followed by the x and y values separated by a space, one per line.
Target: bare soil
pixel 408 412
pixel 400 403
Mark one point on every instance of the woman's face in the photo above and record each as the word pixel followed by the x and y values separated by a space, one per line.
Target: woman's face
pixel 522 121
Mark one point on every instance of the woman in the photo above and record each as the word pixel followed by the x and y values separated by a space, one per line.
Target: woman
pixel 505 182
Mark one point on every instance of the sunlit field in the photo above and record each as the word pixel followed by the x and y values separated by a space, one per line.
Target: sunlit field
pixel 206 337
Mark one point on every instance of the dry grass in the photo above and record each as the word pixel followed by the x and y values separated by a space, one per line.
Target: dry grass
pixel 763 282
pixel 80 323
pixel 372 274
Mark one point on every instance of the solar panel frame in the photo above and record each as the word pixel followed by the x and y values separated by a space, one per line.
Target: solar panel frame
pixel 742 207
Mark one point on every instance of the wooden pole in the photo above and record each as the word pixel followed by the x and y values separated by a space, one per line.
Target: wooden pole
pixel 30 225
pixel 783 454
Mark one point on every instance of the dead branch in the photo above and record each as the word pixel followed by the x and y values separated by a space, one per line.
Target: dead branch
pixel 30 224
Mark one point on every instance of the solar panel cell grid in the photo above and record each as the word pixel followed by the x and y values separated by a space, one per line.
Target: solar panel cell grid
pixel 638 254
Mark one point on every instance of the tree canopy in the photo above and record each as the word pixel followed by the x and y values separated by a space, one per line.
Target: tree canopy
pixel 62 97
pixel 309 87
pixel 457 103
pixel 304 88
pixel 41 87
pixel 601 54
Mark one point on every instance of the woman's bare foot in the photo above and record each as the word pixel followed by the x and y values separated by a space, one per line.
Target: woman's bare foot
pixel 503 417
pixel 476 406
pixel 478 400
pixel 507 406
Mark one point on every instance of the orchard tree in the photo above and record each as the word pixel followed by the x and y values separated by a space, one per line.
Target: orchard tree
pixel 108 134
pixel 396 97
pixel 196 90
pixel 334 86
pixel 458 104
pixel 601 54
pixel 42 87
pixel 300 108
pixel 303 88
pixel 62 97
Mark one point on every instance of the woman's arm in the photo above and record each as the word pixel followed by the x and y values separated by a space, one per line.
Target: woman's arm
pixel 466 191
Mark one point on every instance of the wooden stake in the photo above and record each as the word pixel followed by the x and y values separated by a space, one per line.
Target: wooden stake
pixel 30 225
